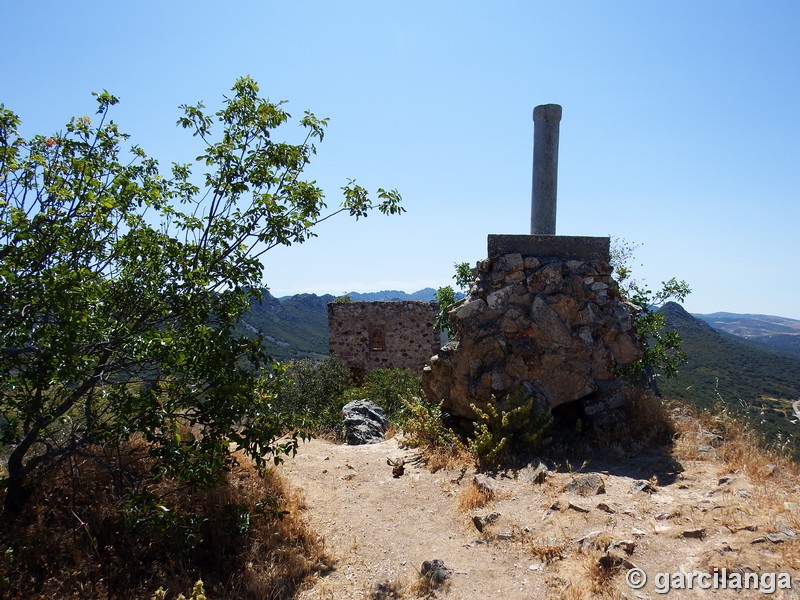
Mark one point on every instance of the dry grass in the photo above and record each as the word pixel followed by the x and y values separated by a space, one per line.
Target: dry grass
pixel 387 590
pixel 647 423
pixel 718 435
pixel 472 497
pixel 422 586
pixel 83 537
pixel 425 587
pixel 731 443
pixel 437 458
pixel 548 550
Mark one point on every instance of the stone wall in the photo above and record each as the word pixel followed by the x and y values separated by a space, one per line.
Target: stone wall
pixel 373 335
pixel 557 327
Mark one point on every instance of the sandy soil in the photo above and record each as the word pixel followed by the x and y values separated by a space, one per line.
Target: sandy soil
pixel 547 542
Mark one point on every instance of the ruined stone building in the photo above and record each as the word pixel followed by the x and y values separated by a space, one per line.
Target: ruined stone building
pixel 374 335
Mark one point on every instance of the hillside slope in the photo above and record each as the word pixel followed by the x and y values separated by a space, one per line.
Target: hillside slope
pixel 294 329
pixel 723 367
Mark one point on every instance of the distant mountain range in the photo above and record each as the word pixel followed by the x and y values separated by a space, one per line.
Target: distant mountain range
pixel 777 333
pixel 423 295
pixel 294 327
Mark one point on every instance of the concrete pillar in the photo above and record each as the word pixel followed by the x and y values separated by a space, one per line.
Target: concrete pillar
pixel 546 120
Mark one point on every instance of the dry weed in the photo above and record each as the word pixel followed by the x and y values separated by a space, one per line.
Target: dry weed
pixel 735 443
pixel 585 579
pixel 472 497
pixel 648 423
pixel 548 550
pixel 387 590
pixel 425 587
pixel 85 534
pixel 437 458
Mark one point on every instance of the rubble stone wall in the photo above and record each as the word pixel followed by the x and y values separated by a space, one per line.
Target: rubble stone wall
pixel 373 335
pixel 558 327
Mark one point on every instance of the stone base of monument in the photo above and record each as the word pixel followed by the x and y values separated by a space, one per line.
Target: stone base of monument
pixel 543 313
pixel 550 246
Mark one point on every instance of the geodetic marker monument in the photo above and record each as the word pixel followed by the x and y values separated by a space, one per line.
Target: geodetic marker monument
pixel 543 314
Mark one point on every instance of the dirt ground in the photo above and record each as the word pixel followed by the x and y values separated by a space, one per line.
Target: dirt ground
pixel 547 540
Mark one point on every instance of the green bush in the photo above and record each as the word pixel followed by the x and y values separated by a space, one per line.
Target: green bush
pixel 313 392
pixel 122 283
pixel 388 388
pixel 500 432
pixel 424 426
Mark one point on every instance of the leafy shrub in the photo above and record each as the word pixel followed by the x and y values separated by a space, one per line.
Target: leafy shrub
pixel 122 283
pixel 425 428
pixel 388 387
pixel 313 392
pixel 662 347
pixel 446 297
pixel 499 432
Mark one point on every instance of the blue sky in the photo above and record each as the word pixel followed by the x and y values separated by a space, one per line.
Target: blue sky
pixel 680 130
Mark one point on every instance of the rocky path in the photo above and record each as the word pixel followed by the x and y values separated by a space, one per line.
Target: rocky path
pixel 550 538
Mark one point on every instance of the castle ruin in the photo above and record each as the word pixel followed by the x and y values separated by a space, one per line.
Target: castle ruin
pixel 375 335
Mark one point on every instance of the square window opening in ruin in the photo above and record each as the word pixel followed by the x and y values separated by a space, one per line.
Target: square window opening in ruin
pixel 377 337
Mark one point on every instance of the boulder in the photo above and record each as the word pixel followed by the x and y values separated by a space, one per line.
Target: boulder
pixel 364 422
pixel 436 572
pixel 590 484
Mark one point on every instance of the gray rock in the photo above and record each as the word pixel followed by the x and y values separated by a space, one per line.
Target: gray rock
pixel 481 522
pixel 550 322
pixel 778 537
pixel 471 309
pixel 628 546
pixel 697 534
pixel 497 300
pixel 364 422
pixel 613 560
pixel 533 474
pixel 509 262
pixel 485 484
pixel 435 571
pixel 589 540
pixel 643 486
pixel 590 484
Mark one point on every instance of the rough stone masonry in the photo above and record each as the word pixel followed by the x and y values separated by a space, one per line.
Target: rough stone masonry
pixel 557 327
pixel 375 335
